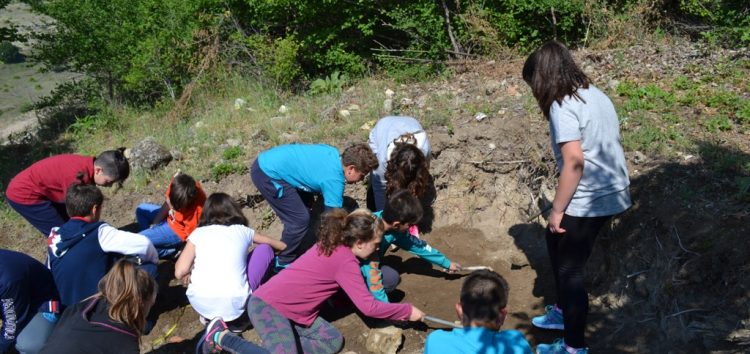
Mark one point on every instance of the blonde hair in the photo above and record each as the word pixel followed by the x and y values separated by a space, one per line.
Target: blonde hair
pixel 341 228
pixel 128 291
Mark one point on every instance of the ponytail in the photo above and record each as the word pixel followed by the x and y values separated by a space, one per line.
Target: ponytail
pixel 128 291
pixel 339 228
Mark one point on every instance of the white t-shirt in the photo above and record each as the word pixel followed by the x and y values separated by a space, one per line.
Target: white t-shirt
pixel 603 189
pixel 218 282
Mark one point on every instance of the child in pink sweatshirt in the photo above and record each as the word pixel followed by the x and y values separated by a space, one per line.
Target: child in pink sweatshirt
pixel 288 305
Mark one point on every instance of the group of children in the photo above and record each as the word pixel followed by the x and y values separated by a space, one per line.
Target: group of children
pixel 104 278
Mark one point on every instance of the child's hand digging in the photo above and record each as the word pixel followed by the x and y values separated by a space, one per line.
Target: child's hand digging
pixel 454 268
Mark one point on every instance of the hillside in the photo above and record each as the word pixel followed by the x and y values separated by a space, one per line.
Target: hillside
pixel 669 275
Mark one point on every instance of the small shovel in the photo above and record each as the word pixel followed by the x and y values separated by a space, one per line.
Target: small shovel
pixel 473 268
pixel 442 322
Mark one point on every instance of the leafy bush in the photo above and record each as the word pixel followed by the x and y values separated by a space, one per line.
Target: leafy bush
pixel 9 53
pixel 333 83
pixel 89 124
pixel 278 59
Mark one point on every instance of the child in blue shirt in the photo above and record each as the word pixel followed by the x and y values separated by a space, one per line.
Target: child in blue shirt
pixel 401 211
pixel 482 310
pixel 82 250
pixel 28 303
pixel 281 173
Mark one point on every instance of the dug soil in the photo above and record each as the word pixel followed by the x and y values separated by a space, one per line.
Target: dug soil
pixel 667 276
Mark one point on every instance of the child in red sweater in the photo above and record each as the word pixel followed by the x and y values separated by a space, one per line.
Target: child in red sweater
pixel 38 192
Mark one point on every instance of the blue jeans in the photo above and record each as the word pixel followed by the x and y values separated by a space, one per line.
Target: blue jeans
pixel 161 235
pixel 33 337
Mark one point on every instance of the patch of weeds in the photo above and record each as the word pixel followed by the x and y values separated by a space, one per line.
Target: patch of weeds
pixel 718 123
pixel 32 79
pixel 27 107
pixel 743 114
pixel 723 100
pixel 223 169
pixel 670 117
pixel 38 87
pixel 637 104
pixel 682 82
pixel 646 138
pixel 85 126
pixel 232 153
pixel 648 97
pixel 410 73
pixel 689 98
pixel 436 118
pixel 333 83
pixel 725 160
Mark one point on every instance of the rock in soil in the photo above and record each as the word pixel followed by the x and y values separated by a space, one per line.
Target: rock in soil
pixel 384 340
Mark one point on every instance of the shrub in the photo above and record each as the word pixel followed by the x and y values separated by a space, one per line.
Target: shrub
pixel 232 153
pixel 333 83
pixel 277 59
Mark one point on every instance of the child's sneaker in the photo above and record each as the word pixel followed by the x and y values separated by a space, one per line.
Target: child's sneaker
pixel 552 319
pixel 209 341
pixel 559 347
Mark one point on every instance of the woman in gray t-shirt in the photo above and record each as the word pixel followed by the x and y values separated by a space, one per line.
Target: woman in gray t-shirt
pixel 593 182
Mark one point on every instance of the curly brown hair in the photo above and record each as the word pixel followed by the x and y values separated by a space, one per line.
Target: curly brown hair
pixel 341 228
pixel 361 157
pixel 407 169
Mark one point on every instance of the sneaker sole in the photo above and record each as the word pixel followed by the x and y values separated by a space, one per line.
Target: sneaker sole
pixel 549 326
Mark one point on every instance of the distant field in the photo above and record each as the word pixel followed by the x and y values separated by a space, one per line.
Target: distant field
pixel 23 83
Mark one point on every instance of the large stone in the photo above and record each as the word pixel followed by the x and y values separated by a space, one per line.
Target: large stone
pixel 384 340
pixel 149 155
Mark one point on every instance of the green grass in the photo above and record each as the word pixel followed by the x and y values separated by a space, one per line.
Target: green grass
pixel 232 153
pixel 202 137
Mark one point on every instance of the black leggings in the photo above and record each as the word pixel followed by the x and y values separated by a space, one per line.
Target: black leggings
pixel 568 253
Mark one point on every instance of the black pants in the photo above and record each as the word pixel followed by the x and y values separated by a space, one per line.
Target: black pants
pixel 290 208
pixel 568 253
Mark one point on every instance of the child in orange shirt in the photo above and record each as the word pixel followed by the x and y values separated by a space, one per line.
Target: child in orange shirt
pixel 168 225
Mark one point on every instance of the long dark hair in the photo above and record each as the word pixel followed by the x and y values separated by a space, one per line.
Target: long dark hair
pixel 221 209
pixel 553 75
pixel 341 228
pixel 407 169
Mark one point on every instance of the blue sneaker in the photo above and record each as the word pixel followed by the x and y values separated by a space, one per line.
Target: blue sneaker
pixel 552 319
pixel 559 347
